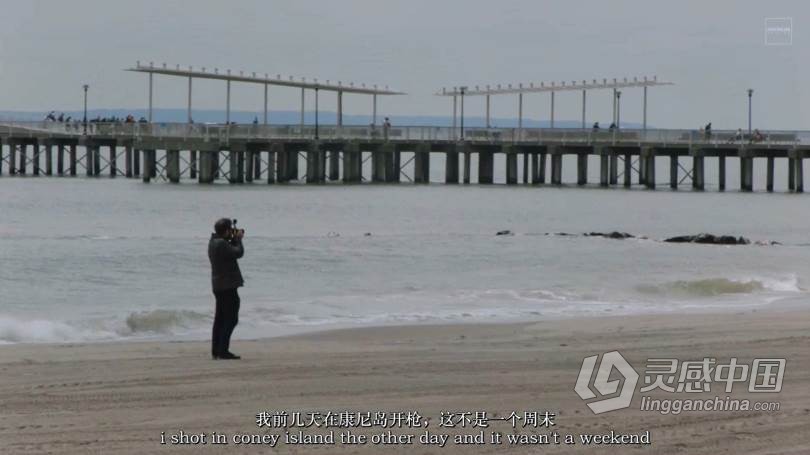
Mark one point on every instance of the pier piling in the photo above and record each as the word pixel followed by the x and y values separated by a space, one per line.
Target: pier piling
pixel 136 162
pixel 72 160
pixel 421 165
pixel 791 173
pixel 535 168
pixel 12 158
pixel 525 167
pixel 604 169
pixel 97 160
pixel 128 161
pixel 486 166
pixel 113 160
pixel 673 170
pixel 334 164
pixel 698 182
pixel 467 164
pixel 613 179
pixel 36 158
pixel 541 170
pixel 88 160
pixel 451 167
pixel 556 167
pixel 48 159
pixel 193 167
pixel 173 166
pixel 582 168
pixel 149 157
pixel 628 170
pixel 511 167
pixel 249 162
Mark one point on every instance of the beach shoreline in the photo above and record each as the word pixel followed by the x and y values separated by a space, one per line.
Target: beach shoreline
pixel 119 397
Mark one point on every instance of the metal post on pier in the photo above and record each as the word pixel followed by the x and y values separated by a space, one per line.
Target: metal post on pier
pixel 316 113
pixel 302 109
pixel 455 107
pixel 151 77
pixel 374 109
pixel 552 109
pixel 613 120
pixel 520 114
pixel 265 103
pixel 583 109
pixel 750 93
pixel 462 89
pixel 228 102
pixel 189 101
pixel 340 108
pixel 488 122
pixel 644 121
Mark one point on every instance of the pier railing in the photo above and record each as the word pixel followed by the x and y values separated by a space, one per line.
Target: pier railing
pixel 572 136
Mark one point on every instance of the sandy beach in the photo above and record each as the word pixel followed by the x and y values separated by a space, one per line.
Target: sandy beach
pixel 119 397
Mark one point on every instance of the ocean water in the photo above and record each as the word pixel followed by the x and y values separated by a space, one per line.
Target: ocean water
pixel 102 259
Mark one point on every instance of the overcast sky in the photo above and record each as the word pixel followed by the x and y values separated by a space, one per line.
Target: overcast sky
pixel 712 50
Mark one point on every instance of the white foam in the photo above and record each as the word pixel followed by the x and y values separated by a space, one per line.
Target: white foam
pixel 17 330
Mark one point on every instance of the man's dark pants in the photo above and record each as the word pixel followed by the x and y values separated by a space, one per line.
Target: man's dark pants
pixel 225 320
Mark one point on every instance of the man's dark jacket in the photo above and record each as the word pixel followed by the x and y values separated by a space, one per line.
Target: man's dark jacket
pixel 225 273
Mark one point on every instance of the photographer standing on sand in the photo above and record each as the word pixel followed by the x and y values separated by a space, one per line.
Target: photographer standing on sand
pixel 224 248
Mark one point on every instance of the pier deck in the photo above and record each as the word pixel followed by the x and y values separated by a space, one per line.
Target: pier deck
pixel 246 153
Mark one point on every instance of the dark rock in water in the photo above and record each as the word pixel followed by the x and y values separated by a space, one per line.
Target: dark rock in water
pixel 709 239
pixel 504 232
pixel 611 235
pixel 367 234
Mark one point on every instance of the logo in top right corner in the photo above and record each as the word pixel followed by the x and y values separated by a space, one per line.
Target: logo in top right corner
pixel 778 31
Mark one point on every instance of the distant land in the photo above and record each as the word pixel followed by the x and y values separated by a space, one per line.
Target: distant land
pixel 294 118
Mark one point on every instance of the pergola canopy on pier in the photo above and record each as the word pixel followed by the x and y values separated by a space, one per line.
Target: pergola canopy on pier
pixel 552 87
pixel 314 84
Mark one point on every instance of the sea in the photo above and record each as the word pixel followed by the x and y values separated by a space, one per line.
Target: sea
pixel 101 259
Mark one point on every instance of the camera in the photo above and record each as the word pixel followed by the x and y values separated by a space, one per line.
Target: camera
pixel 236 232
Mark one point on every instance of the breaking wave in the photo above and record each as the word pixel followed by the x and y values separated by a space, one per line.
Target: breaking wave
pixel 710 287
pixel 164 321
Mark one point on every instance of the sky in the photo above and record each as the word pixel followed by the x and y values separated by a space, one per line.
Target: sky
pixel 712 50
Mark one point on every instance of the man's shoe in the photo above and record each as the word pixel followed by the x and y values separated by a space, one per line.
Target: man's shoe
pixel 229 356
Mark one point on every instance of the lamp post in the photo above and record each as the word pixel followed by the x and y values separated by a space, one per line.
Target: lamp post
pixel 85 87
pixel 750 94
pixel 462 90
pixel 618 109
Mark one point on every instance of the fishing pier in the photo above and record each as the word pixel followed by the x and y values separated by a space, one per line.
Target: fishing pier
pixel 281 154
pixel 316 154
